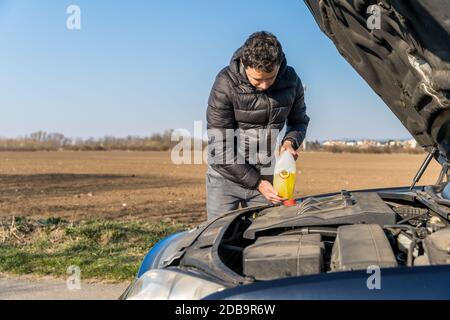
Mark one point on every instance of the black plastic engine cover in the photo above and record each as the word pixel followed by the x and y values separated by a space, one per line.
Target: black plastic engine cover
pixel 359 246
pixel 345 208
pixel 283 256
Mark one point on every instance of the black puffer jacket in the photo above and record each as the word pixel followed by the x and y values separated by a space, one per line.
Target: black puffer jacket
pixel 235 104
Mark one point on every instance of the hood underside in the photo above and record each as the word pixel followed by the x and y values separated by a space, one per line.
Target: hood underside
pixel 402 49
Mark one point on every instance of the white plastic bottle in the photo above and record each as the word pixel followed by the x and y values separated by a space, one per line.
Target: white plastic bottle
pixel 284 176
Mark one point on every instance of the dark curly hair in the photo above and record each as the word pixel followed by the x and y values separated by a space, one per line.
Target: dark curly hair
pixel 262 51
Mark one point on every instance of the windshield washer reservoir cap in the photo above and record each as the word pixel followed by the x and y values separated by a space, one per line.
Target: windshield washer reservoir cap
pixel 289 203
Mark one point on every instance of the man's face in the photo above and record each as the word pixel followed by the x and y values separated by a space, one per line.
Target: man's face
pixel 261 80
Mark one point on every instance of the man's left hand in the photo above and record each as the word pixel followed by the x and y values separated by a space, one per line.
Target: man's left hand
pixel 288 146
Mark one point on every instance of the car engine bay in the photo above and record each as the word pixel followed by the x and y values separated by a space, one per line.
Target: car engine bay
pixel 341 232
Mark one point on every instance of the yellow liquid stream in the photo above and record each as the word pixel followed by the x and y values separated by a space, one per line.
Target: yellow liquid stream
pixel 284 183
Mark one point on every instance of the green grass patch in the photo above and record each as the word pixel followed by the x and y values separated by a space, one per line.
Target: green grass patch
pixel 103 249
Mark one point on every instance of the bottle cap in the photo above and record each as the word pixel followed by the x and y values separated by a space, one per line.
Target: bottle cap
pixel 290 203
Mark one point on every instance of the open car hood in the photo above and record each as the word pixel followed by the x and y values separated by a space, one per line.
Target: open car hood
pixel 406 61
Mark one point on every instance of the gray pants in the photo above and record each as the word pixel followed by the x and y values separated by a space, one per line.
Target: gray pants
pixel 223 195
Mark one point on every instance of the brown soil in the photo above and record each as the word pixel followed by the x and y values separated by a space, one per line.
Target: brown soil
pixel 147 185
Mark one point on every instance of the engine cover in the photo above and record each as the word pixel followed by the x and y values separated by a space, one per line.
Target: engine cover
pixel 360 246
pixel 344 208
pixel 283 256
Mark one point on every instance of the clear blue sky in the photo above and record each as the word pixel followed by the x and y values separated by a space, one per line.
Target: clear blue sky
pixel 139 67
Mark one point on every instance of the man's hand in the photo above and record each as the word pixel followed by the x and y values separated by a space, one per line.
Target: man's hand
pixel 288 146
pixel 268 191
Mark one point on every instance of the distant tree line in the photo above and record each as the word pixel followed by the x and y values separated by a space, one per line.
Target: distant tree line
pixel 43 141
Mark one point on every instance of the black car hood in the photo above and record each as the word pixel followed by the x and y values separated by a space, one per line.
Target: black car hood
pixel 406 61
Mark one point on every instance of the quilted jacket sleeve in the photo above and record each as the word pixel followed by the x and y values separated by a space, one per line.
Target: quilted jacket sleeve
pixel 221 127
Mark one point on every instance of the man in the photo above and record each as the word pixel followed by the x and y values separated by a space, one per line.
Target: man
pixel 256 91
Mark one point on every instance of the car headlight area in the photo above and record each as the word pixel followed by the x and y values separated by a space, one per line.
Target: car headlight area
pixel 172 284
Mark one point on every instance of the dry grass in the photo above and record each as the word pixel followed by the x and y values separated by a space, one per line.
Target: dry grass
pixel 106 250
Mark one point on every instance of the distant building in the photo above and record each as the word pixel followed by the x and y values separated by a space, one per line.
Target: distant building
pixel 410 144
pixel 366 143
